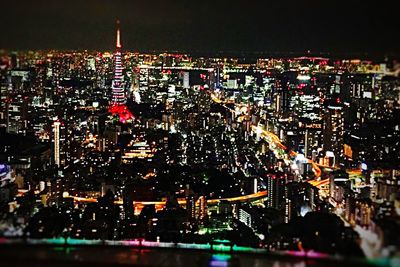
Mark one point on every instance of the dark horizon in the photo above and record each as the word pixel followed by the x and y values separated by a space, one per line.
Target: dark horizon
pixel 348 27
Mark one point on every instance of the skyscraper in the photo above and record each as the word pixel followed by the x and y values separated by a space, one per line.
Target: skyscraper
pixel 191 207
pixel 276 187
pixel 118 98
pixel 202 208
pixel 334 131
pixel 56 140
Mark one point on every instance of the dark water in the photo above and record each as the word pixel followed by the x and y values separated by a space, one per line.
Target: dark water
pixel 120 256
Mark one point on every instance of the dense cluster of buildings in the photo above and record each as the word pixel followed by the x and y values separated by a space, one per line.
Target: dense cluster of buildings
pixel 282 153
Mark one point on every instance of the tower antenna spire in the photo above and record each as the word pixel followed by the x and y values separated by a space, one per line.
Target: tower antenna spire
pixel 118 45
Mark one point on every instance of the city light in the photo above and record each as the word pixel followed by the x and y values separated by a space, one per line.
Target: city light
pixel 166 139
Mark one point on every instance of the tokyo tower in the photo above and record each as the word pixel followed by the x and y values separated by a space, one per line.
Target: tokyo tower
pixel 118 98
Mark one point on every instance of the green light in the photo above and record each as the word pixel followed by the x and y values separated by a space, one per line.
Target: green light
pixel 395 262
pixel 242 249
pixel 221 248
pixel 384 261
pixel 64 249
pixel 72 241
pixel 203 231
pixel 221 241
pixel 221 257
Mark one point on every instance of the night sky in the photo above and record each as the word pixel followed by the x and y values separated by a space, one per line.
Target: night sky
pixel 247 25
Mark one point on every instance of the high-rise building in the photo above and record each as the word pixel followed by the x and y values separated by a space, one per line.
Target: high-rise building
pixel 186 80
pixel 363 212
pixel 60 155
pixel 276 187
pixel 4 101
pixel 334 131
pixel 191 207
pixel 202 208
pixel 302 198
pixel 56 141
pixel 387 185
pixel 245 216
pixel 339 187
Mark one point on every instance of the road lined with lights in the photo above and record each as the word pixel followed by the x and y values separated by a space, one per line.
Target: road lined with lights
pixel 271 138
pixel 161 204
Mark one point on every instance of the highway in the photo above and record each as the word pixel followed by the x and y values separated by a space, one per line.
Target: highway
pixel 274 141
pixel 161 204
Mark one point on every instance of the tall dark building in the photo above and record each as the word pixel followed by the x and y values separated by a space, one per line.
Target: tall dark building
pixel 276 187
pixel 334 132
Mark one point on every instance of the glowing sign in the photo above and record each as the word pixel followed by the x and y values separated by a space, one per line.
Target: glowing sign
pixel 364 166
pixel 302 77
pixel 348 152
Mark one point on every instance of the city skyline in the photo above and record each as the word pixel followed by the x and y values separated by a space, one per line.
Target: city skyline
pixel 223 149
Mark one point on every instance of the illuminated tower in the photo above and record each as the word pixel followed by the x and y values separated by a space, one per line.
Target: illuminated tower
pixel 118 99
pixel 118 92
pixel 56 126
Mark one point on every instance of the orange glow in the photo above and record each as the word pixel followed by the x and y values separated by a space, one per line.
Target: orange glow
pixel 161 204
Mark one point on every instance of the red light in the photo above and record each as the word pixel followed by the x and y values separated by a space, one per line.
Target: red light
pixel 301 86
pixel 168 72
pixel 122 111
